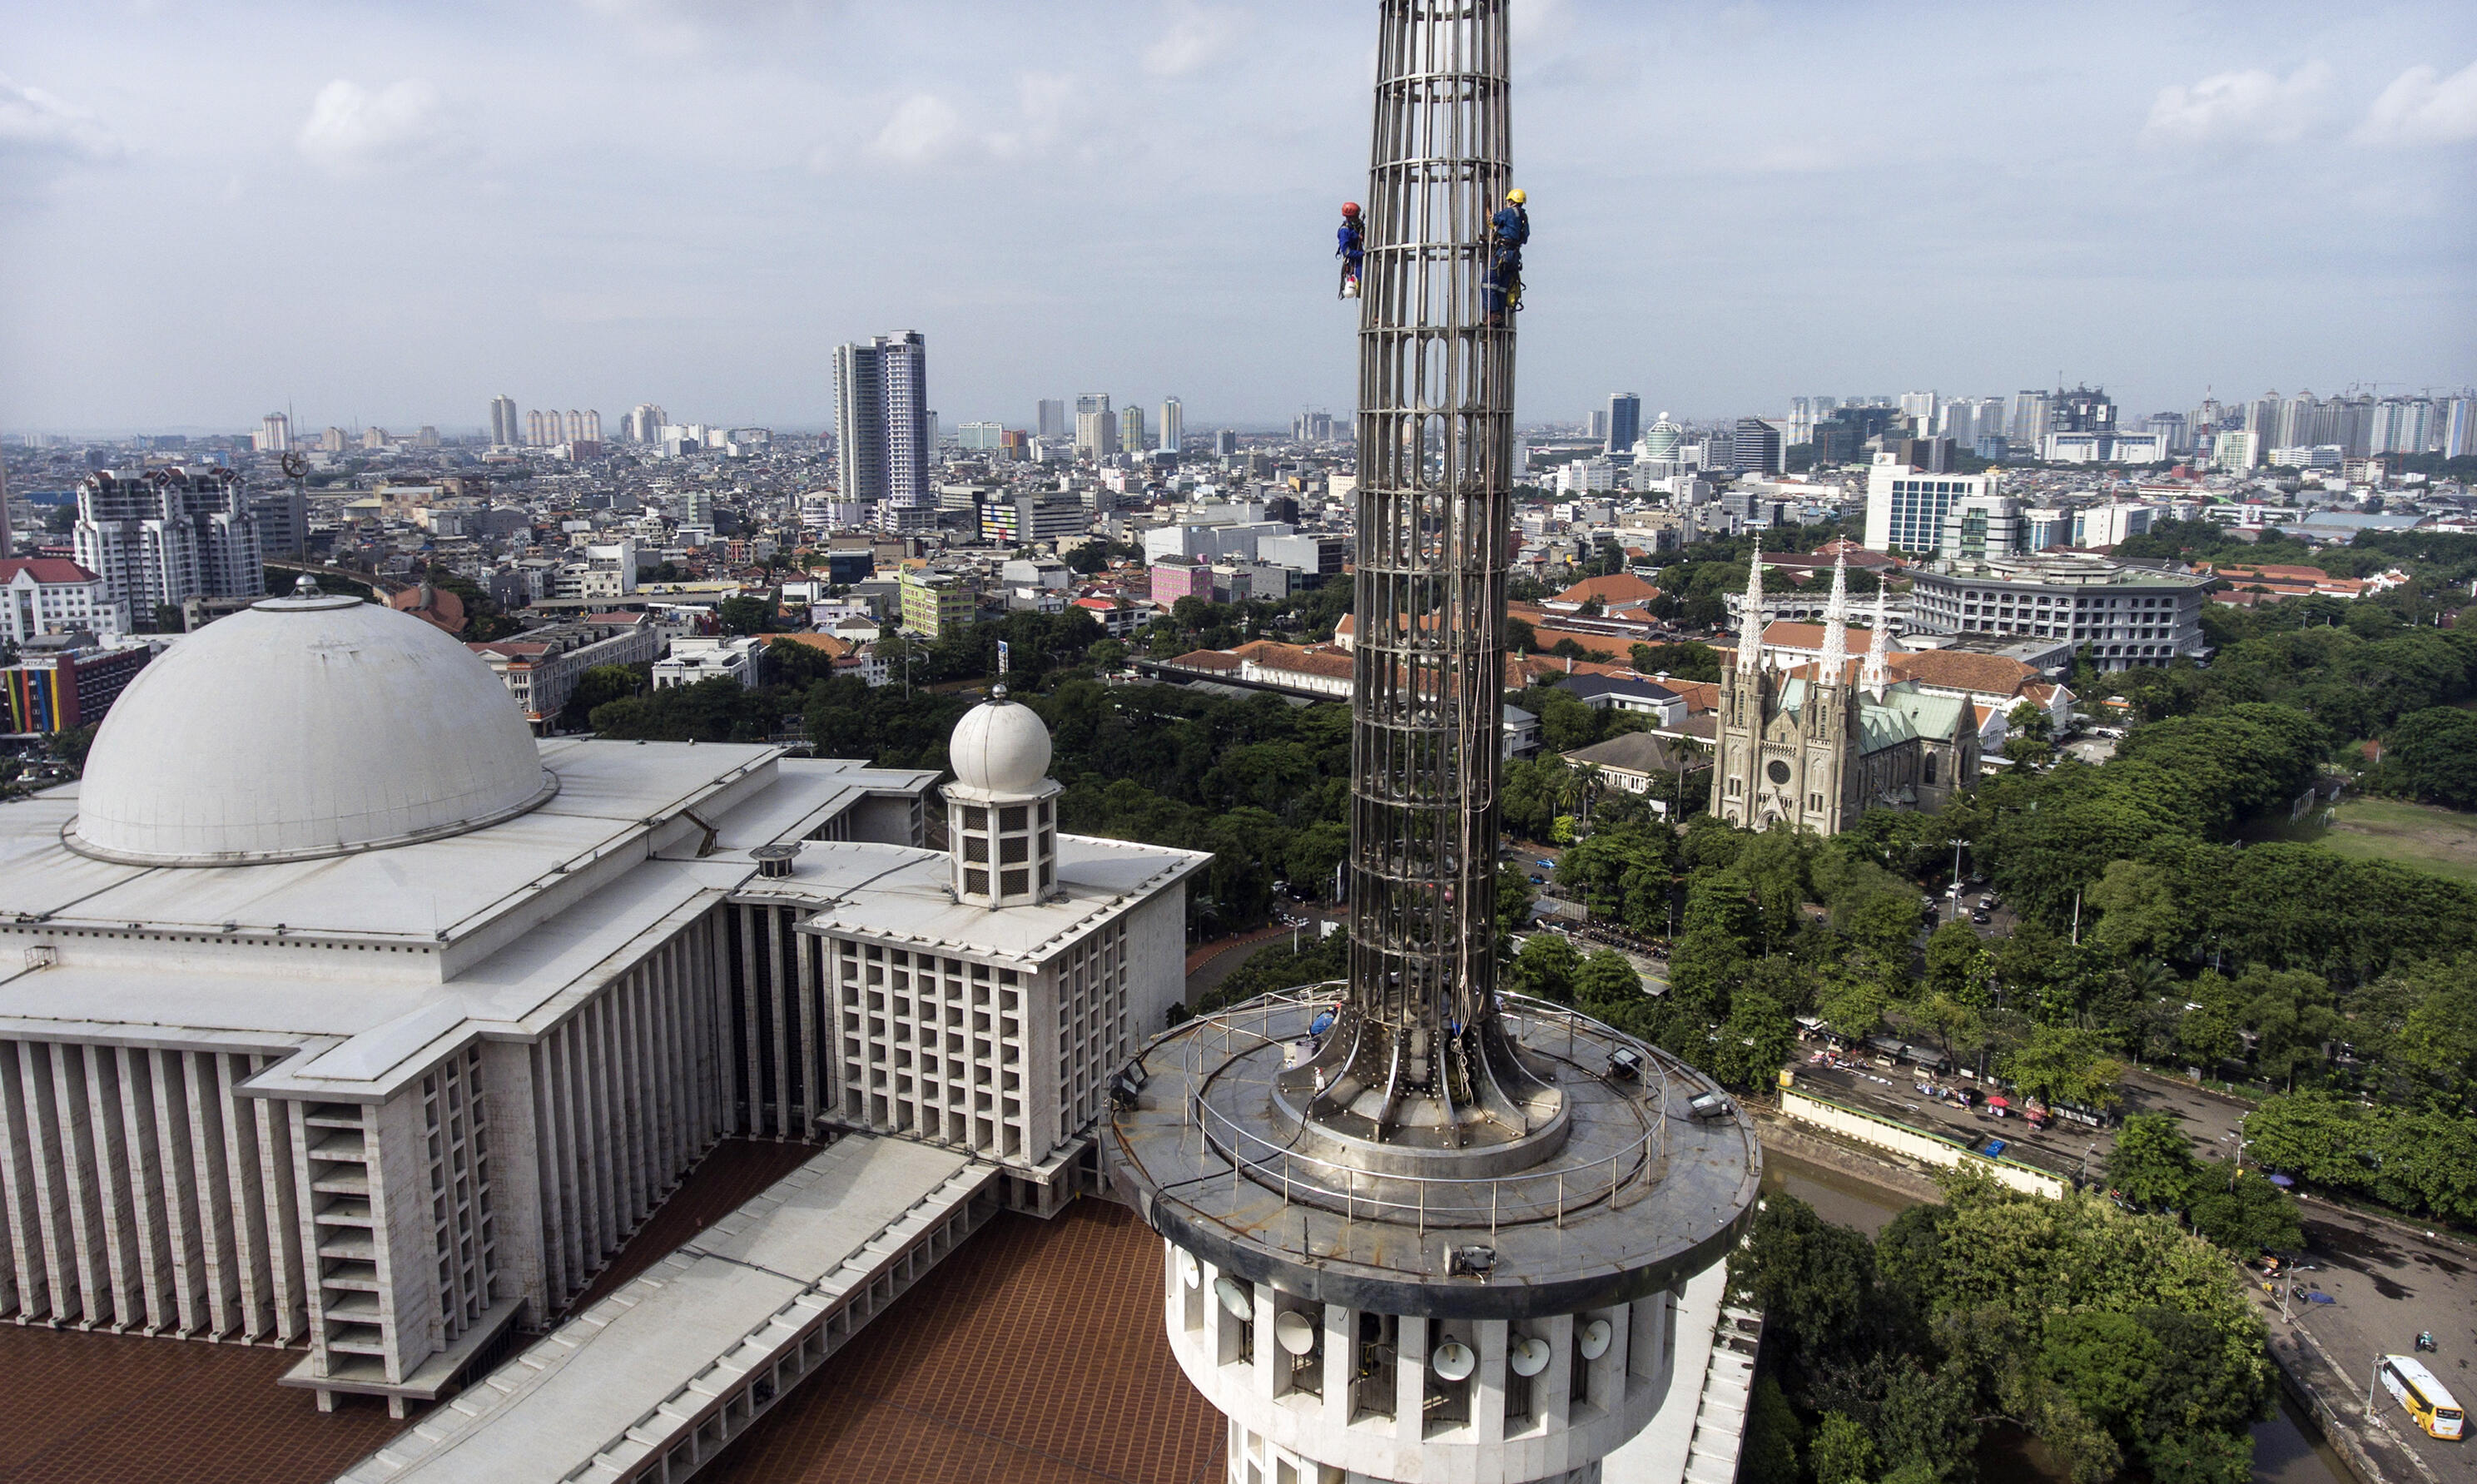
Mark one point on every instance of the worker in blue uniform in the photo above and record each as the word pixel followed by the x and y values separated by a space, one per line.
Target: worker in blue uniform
pixel 1506 230
pixel 1346 247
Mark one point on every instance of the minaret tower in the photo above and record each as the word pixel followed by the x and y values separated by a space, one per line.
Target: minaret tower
pixel 1415 1228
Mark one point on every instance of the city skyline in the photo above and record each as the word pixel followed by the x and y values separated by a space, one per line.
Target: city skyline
pixel 386 244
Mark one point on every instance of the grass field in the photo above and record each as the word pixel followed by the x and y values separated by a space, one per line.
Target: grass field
pixel 2381 829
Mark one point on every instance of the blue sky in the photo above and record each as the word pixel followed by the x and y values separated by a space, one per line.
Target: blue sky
pixel 387 214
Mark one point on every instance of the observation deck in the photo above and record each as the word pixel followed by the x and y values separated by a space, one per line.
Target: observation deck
pixel 1638 1194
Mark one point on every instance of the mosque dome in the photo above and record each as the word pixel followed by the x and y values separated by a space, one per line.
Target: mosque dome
pixel 304 726
pixel 1000 746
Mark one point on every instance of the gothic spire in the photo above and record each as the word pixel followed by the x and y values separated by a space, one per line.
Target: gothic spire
pixel 1836 627
pixel 1879 649
pixel 1750 632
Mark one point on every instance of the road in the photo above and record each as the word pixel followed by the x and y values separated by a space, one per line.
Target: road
pixel 2387 1282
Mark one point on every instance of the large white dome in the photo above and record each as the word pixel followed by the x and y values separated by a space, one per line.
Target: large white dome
pixel 1000 746
pixel 304 726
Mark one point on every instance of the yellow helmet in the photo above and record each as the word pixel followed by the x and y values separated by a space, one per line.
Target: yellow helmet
pixel 1516 196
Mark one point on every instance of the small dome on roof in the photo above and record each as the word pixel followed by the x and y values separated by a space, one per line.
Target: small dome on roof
pixel 1000 746
pixel 304 726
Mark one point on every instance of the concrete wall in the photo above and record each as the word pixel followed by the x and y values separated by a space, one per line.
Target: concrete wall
pixel 1900 1139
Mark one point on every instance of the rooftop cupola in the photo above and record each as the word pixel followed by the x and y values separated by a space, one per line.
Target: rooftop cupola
pixel 1001 808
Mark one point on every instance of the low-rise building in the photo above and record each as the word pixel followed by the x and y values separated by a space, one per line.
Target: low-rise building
pixel 540 667
pixel 67 680
pixel 53 596
pixel 697 657
pixel 936 604
pixel 2124 614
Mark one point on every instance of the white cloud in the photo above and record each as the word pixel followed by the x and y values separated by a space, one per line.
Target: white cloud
pixel 33 121
pixel 1195 37
pixel 351 127
pixel 923 127
pixel 2423 106
pixel 2251 107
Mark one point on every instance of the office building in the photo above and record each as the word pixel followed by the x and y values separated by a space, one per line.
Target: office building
pixel 2111 523
pixel 882 443
pixel 1905 507
pixel 1131 430
pixel 1173 424
pixel 1625 422
pixel 1919 407
pixel 1755 447
pixel 160 539
pixel 504 432
pixel 2123 613
pixel 1053 418
pixel 643 424
pixel 1096 426
pixel 2082 410
pixel 274 434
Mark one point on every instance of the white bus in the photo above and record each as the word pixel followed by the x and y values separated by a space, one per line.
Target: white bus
pixel 2427 1399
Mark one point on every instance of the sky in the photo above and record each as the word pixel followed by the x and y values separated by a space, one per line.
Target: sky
pixel 389 212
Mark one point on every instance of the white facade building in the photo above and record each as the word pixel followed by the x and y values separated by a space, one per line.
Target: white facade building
pixel 160 538
pixel 695 658
pixel 353 1018
pixel 1906 507
pixel 49 596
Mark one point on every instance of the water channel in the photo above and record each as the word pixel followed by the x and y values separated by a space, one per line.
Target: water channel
pixel 2286 1450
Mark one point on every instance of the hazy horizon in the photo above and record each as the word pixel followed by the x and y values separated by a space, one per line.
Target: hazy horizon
pixel 386 214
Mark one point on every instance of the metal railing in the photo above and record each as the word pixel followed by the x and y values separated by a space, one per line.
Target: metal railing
pixel 1451 1201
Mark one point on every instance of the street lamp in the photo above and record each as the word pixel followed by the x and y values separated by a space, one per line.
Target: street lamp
pixel 1957 844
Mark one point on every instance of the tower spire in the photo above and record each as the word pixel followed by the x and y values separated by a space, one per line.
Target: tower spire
pixel 1877 675
pixel 1836 627
pixel 1750 637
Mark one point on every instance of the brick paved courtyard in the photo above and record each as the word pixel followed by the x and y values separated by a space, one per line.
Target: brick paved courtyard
pixel 1035 1354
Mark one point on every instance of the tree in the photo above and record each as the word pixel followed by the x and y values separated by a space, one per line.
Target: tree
pixel 1606 978
pixel 1545 967
pixel 1852 1007
pixel 1955 964
pixel 1756 1039
pixel 2065 1064
pixel 2107 1361
pixel 1842 1452
pixel 1712 949
pixel 2248 1216
pixel 745 614
pixel 598 686
pixel 2138 911
pixel 1769 1454
pixel 2152 1165
pixel 2435 753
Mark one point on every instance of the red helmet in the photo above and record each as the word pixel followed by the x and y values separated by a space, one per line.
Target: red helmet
pixel 1350 208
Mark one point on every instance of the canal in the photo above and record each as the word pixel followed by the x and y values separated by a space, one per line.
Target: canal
pixel 2285 1449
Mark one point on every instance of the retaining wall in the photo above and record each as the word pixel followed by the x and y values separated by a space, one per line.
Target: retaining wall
pixel 1883 1133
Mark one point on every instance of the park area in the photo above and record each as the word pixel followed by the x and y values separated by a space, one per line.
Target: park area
pixel 2442 841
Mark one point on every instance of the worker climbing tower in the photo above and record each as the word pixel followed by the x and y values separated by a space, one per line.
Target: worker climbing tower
pixel 1415 1227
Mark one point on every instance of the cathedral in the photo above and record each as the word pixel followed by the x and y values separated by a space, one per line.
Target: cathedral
pixel 1807 748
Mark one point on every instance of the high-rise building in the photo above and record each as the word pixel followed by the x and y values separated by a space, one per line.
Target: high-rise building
pixel 2029 429
pixel 1755 447
pixel 2082 410
pixel 159 539
pixel 1173 424
pixel 1298 1153
pixel 882 422
pixel 1625 421
pixel 1053 418
pixel 1131 430
pixel 274 434
pixel 1919 407
pixel 1096 427
pixel 1225 443
pixel 643 424
pixel 503 422
pixel 2458 420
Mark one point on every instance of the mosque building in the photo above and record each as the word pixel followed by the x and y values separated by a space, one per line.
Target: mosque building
pixel 342 1013
pixel 1807 748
